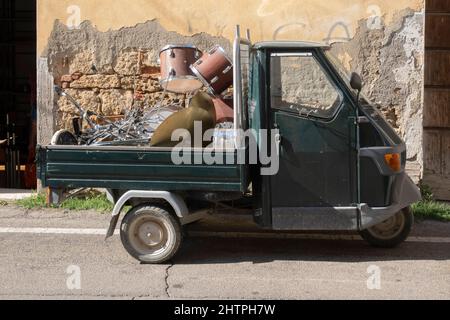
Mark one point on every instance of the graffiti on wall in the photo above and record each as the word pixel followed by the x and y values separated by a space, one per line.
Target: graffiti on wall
pixel 338 24
pixel 270 19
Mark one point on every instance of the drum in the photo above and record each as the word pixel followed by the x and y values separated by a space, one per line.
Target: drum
pixel 224 109
pixel 154 118
pixel 176 76
pixel 64 138
pixel 215 70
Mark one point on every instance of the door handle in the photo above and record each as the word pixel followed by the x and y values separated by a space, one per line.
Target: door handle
pixel 363 120
pixel 278 139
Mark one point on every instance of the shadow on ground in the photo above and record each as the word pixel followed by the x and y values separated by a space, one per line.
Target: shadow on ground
pixel 263 250
pixel 220 250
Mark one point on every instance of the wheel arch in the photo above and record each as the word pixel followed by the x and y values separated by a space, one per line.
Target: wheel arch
pixel 174 200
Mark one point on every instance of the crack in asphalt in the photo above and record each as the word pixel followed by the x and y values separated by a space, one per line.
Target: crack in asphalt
pixel 166 279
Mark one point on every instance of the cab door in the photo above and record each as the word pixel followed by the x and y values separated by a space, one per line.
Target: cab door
pixel 315 187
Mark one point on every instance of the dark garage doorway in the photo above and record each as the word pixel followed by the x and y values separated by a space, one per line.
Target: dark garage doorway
pixel 17 94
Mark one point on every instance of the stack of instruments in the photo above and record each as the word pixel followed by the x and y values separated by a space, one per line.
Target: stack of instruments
pixel 184 70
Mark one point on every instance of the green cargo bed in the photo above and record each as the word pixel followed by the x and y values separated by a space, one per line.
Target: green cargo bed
pixel 133 168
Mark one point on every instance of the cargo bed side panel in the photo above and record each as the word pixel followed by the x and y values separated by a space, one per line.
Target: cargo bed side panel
pixel 134 169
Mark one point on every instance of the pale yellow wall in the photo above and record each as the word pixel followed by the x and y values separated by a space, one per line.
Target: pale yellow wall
pixel 294 19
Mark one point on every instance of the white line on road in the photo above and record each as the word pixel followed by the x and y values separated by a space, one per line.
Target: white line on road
pixel 63 231
pixel 205 234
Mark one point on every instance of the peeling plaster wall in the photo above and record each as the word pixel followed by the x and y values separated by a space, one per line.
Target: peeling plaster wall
pixel 268 19
pixel 382 40
pixel 391 61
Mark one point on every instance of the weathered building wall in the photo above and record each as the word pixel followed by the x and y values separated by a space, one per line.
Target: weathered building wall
pixel 383 40
pixel 391 61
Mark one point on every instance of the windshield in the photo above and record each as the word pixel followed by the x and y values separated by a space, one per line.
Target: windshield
pixel 367 107
pixel 343 73
pixel 374 114
pixel 337 64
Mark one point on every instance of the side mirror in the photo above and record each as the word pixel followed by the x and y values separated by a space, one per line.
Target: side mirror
pixel 356 81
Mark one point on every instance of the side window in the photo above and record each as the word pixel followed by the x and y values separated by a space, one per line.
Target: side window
pixel 299 84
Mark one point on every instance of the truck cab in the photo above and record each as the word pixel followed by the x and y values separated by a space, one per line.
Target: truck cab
pixel 342 166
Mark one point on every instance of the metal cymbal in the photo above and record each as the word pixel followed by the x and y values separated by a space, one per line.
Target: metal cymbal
pixel 201 108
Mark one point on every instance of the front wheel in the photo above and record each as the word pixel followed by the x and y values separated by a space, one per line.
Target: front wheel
pixel 391 232
pixel 151 234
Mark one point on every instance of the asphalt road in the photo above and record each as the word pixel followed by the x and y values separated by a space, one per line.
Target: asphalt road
pixel 243 263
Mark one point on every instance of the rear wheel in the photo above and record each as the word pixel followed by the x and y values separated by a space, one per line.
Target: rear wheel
pixel 391 232
pixel 151 234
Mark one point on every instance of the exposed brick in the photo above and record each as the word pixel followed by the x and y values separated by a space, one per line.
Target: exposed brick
pixel 97 81
pixel 66 78
pixel 77 75
pixel 150 70
pixel 65 84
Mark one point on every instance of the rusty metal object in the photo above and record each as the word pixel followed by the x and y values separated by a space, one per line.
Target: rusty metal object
pixel 224 109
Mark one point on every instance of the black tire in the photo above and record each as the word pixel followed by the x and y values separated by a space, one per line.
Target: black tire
pixel 163 239
pixel 399 226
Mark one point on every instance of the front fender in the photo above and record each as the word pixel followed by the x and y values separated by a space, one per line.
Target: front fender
pixel 404 193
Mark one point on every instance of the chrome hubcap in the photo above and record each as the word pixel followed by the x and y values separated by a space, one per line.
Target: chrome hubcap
pixel 149 235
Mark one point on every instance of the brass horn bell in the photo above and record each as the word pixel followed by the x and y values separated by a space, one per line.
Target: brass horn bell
pixel 201 109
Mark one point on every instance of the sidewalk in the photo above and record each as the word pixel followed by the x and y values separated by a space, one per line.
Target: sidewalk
pixel 14 194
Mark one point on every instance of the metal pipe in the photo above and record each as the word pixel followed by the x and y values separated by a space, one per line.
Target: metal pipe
pixel 7 164
pixel 14 163
pixel 18 185
pixel 237 83
pixel 235 80
pixel 8 154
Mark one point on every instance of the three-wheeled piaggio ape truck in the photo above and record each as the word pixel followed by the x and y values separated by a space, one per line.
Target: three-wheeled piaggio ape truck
pixel 341 166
